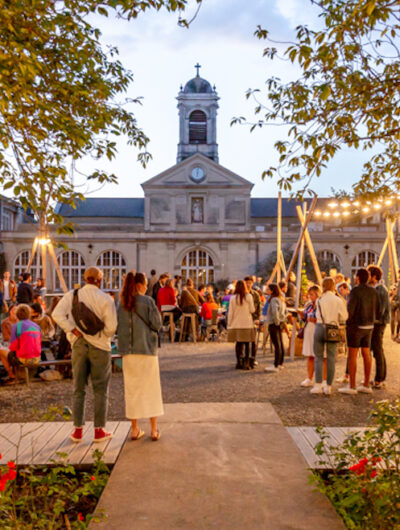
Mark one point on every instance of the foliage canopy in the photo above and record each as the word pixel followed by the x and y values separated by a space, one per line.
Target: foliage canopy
pixel 347 95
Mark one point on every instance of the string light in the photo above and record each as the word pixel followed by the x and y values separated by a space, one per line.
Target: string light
pixel 318 213
pixel 43 241
pixel 345 214
pixel 333 204
pixel 346 208
pixel 345 204
pixel 365 209
pixel 336 214
pixel 326 214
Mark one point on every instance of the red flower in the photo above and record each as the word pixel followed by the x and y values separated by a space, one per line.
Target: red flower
pixel 80 517
pixel 1 456
pixel 92 477
pixel 373 473
pixel 375 460
pixel 3 483
pixel 11 465
pixel 12 474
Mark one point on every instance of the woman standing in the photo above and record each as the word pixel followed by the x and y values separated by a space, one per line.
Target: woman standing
pixel 240 324
pixel 331 309
pixel 138 325
pixel 310 320
pixel 275 320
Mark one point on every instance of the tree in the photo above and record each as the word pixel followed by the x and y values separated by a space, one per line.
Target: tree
pixel 346 96
pixel 60 97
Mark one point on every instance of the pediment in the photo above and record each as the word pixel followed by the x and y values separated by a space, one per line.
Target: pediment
pixel 179 176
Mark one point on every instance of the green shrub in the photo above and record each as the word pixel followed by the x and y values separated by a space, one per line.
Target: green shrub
pixel 364 484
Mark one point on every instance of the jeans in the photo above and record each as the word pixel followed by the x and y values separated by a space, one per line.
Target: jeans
pixel 242 360
pixel 377 350
pixel 275 333
pixel 89 360
pixel 331 347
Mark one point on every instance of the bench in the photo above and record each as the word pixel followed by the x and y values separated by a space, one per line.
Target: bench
pixel 59 362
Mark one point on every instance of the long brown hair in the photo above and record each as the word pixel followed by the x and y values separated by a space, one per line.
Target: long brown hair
pixel 129 289
pixel 241 290
pixel 275 291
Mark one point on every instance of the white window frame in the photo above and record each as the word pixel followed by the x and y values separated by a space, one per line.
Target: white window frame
pixel 114 270
pixel 20 263
pixel 193 267
pixel 363 259
pixel 70 271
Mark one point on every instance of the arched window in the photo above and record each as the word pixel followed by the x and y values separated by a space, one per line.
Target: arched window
pixel 21 262
pixel 113 265
pixel 328 260
pixel 199 266
pixel 72 267
pixel 197 127
pixel 363 259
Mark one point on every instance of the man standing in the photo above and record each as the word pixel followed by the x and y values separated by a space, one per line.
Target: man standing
pixel 256 316
pixel 9 288
pixel 25 290
pixel 157 286
pixel 91 354
pixel 151 283
pixel 363 308
pixel 380 325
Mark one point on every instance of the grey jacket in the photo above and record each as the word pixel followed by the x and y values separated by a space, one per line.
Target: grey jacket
pixel 277 312
pixel 134 335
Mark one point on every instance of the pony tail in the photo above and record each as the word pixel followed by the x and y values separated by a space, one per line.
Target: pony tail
pixel 128 292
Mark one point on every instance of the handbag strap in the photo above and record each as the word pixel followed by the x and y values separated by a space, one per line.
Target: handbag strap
pixel 143 320
pixel 320 312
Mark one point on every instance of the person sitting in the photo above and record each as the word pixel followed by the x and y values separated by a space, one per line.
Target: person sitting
pixel 6 326
pixel 206 313
pixel 40 288
pixel 37 299
pixel 46 326
pixel 25 344
pixel 166 300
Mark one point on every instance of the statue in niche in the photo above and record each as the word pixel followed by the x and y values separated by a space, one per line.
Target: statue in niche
pixel 197 210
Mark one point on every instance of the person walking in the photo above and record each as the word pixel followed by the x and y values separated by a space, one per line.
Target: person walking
pixel 382 320
pixel 310 319
pixel 91 353
pixel 240 324
pixel 363 310
pixel 331 309
pixel 276 319
pixel 138 325
pixel 9 289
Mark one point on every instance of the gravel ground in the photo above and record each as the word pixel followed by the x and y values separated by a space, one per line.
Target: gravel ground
pixel 205 372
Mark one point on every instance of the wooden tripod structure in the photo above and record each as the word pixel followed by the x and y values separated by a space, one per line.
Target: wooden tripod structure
pixel 43 247
pixel 390 246
pixel 279 268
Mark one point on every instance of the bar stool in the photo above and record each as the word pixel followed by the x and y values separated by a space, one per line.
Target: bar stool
pixel 170 315
pixel 192 318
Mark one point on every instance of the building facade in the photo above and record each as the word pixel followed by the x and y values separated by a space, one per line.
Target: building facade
pixel 197 219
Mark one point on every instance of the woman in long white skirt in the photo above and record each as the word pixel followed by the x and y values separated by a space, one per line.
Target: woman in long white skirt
pixel 138 325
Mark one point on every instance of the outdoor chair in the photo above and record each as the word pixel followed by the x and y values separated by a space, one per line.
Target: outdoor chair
pixel 191 319
pixel 170 316
pixel 212 326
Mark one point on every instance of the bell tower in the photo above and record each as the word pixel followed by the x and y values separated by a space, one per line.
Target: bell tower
pixel 197 104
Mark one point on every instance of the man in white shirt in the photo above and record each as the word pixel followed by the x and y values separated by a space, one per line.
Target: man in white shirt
pixel 91 354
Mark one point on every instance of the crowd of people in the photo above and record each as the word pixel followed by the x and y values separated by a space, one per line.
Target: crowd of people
pixel 83 324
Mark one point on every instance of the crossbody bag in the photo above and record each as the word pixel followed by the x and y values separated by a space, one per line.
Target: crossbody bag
pixel 332 332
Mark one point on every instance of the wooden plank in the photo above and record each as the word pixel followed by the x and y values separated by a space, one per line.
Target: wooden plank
pixel 48 452
pixel 77 451
pixel 18 434
pixel 9 435
pixel 116 443
pixel 33 442
pixel 101 446
pixel 303 444
pixel 337 434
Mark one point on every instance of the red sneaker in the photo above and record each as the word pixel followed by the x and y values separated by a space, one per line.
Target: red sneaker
pixel 100 435
pixel 76 436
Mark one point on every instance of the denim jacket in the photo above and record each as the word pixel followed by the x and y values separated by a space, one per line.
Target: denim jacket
pixel 134 335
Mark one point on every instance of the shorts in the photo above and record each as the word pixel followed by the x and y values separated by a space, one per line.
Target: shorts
pixel 17 361
pixel 358 337
pixel 4 345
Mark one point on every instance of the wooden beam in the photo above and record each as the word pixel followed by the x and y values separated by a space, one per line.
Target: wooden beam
pixel 279 236
pixel 310 247
pixel 394 252
pixel 44 263
pixel 282 264
pixel 301 237
pixel 57 267
pixel 383 251
pixel 389 228
pixel 32 256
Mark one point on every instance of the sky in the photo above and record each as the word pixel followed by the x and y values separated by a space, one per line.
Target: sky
pixel 162 56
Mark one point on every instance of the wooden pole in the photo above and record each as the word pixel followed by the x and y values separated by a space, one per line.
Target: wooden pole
pixel 389 228
pixel 301 237
pixel 382 254
pixel 44 263
pixel 394 252
pixel 57 267
pixel 279 236
pixel 32 256
pixel 298 292
pixel 310 247
pixel 282 263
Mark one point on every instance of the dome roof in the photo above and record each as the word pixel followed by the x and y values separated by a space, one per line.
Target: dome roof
pixel 198 85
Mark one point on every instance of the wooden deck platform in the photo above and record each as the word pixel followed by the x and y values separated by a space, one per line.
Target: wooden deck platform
pixel 39 442
pixel 306 438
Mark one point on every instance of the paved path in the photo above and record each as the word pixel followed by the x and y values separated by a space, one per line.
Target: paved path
pixel 218 465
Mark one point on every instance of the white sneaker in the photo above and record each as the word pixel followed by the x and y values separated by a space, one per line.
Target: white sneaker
pixel 281 367
pixel 324 384
pixel 327 390
pixel 317 389
pixel 364 389
pixel 271 368
pixel 342 379
pixel 307 382
pixel 348 390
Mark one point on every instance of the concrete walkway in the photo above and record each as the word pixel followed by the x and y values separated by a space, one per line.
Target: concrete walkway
pixel 218 465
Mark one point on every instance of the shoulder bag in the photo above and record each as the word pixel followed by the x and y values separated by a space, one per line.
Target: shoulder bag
pixel 332 332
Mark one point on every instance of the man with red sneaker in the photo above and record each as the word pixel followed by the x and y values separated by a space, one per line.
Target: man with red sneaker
pixel 91 353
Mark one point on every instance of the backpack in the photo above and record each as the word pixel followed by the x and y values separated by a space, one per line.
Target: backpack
pixel 87 321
